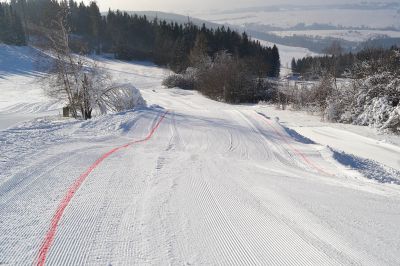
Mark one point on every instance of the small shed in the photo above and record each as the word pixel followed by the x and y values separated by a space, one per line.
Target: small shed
pixel 66 111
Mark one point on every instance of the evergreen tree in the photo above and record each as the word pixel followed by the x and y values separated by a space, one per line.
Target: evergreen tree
pixel 199 50
pixel 179 60
pixel 275 62
pixel 95 25
pixel 294 65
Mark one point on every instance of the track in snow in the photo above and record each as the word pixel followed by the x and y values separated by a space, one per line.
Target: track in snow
pixel 74 188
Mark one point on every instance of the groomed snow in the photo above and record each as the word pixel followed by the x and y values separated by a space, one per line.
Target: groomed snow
pixel 360 141
pixel 22 95
pixel 216 184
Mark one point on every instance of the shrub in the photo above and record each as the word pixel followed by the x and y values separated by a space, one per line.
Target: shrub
pixel 183 81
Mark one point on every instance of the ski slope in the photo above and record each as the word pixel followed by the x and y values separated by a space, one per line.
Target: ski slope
pixel 187 181
pixel 22 94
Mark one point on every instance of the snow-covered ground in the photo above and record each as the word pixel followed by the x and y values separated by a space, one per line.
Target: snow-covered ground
pixel 22 94
pixel 287 53
pixel 364 142
pixel 287 18
pixel 349 35
pixel 209 184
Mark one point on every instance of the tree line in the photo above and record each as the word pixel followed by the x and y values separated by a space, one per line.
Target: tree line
pixel 336 62
pixel 131 36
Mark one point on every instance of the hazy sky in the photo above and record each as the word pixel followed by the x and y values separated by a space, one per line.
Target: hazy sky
pixel 179 6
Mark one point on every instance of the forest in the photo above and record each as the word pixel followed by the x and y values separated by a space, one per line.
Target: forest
pixel 129 36
pixel 11 28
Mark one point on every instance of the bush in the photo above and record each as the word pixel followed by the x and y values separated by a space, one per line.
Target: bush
pixel 224 78
pixel 230 79
pixel 373 98
pixel 393 122
pixel 183 81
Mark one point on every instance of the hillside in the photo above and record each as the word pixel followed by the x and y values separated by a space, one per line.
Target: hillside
pixel 188 180
pixel 22 93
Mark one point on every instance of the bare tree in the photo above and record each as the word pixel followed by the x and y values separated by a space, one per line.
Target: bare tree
pixel 65 68
pixel 77 79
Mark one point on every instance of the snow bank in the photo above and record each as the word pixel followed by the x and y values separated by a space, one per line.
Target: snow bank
pixel 368 168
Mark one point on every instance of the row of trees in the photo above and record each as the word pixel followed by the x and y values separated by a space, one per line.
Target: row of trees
pixel 135 37
pixel 334 61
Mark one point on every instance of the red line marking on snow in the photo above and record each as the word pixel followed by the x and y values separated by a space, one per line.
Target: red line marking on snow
pixel 296 151
pixel 48 240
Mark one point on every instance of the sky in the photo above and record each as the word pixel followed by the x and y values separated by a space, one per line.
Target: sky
pixel 193 6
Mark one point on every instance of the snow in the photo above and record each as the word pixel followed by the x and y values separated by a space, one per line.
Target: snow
pixel 325 15
pixel 364 142
pixel 368 168
pixel 287 53
pixel 349 35
pixel 216 184
pixel 22 96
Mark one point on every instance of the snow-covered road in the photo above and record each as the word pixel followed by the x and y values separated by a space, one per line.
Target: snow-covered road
pixel 215 184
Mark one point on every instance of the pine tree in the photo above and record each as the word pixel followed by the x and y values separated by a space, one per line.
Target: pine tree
pixel 294 65
pixel 275 62
pixel 95 25
pixel 199 50
pixel 18 34
pixel 179 63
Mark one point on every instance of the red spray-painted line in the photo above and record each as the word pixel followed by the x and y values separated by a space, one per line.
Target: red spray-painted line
pixel 48 240
pixel 296 151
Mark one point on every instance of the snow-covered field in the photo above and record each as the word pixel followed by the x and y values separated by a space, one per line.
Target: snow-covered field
pixel 349 35
pixel 286 18
pixel 287 53
pixel 201 182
